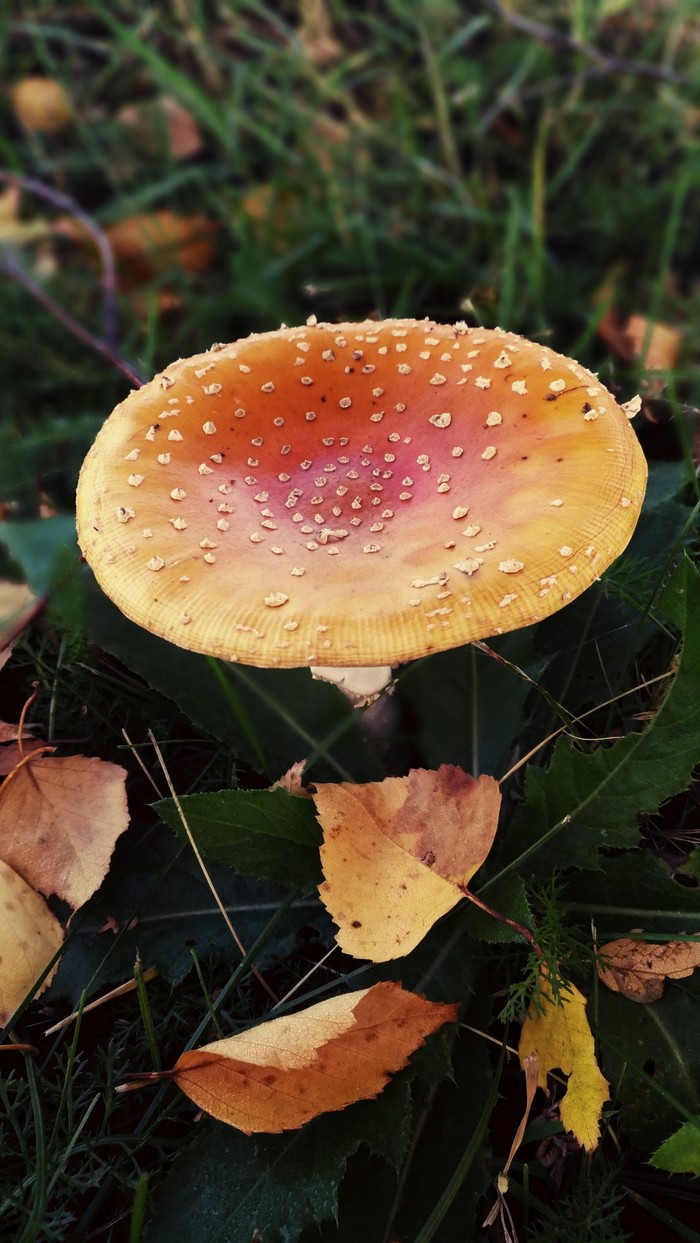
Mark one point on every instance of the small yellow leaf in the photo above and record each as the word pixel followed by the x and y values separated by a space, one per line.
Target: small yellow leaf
pixel 399 853
pixel 284 1072
pixel 638 969
pixel 29 938
pixel 59 820
pixel 562 1040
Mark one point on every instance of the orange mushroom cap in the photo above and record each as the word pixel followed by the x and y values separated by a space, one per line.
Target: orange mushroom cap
pixel 358 494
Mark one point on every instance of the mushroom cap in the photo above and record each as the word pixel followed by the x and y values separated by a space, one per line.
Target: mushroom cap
pixel 358 494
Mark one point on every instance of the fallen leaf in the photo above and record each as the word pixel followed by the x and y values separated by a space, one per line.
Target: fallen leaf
pixel 562 1040
pixel 658 346
pixel 41 104
pixel 154 122
pixel 280 1074
pixel 150 243
pixel 13 230
pixel 29 937
pixel 399 853
pixel 16 606
pixel 59 820
pixel 316 33
pixel 11 754
pixel 292 780
pixel 639 969
pixel 655 346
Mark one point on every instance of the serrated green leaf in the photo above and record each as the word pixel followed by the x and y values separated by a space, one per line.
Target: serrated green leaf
pixel 680 1153
pixel 636 890
pixel 587 800
pixel 691 867
pixel 164 910
pixel 265 833
pixel 650 1054
pixel 227 1186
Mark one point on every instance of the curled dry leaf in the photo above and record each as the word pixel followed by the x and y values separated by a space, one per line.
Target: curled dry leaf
pixel 281 1074
pixel 29 938
pixel 562 1039
pixel 639 969
pixel 59 820
pixel 41 104
pixel 292 780
pixel 399 853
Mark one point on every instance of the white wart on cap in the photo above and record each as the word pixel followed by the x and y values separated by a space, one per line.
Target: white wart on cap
pixel 358 494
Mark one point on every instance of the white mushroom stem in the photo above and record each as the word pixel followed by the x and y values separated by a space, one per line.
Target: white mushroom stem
pixel 361 685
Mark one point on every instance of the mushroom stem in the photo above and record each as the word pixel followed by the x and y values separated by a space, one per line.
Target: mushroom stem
pixel 362 686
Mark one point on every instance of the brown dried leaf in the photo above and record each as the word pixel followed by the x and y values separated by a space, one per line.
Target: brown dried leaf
pixel 148 244
pixel 11 754
pixel 153 120
pixel 663 343
pixel 282 1073
pixel 316 33
pixel 41 104
pixel 639 969
pixel 656 346
pixel 292 780
pixel 399 853
pixel 29 938
pixel 59 821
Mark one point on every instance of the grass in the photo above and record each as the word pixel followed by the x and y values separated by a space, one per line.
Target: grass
pixel 529 167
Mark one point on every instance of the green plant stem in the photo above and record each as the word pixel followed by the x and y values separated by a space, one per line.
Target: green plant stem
pixel 428 1231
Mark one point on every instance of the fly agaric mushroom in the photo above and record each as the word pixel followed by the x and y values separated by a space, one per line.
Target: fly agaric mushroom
pixel 357 495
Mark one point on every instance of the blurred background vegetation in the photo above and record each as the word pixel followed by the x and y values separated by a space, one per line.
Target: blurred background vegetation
pixel 189 171
pixel 249 163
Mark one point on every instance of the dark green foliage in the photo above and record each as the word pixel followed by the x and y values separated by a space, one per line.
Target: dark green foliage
pixel 264 833
pixel 587 801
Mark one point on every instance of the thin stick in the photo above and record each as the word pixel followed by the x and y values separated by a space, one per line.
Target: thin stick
pixel 602 60
pixel 203 867
pixel 128 987
pixel 106 351
pixel 22 719
pixel 306 977
pixel 109 276
pixel 141 764
pixel 575 721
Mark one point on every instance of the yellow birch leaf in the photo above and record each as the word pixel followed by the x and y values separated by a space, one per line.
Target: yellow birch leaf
pixel 639 969
pixel 562 1040
pixel 59 820
pixel 398 854
pixel 286 1071
pixel 29 938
